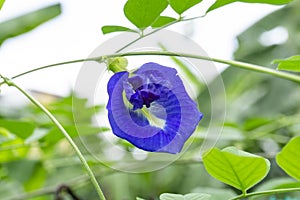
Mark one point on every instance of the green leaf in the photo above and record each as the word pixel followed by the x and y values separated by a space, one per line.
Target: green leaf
pixel 1 3
pixel 289 158
pixel 19 128
pixel 111 29
pixel 179 6
pixel 27 22
pixel 289 64
pixel 162 21
pixel 191 196
pixel 142 13
pixel 234 167
pixel 220 3
pixel 138 198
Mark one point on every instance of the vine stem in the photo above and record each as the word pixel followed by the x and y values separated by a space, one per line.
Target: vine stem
pixel 64 132
pixel 267 192
pixel 238 64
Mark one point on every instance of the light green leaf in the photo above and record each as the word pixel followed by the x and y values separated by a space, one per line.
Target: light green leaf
pixel 112 28
pixel 19 128
pixel 27 22
pixel 289 64
pixel 289 158
pixel 220 3
pixel 179 6
pixel 234 167
pixel 142 13
pixel 138 198
pixel 162 21
pixel 1 3
pixel 191 196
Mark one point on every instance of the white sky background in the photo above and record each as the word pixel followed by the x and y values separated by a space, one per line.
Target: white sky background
pixel 77 32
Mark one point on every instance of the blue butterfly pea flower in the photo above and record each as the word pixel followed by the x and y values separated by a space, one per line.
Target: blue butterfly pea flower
pixel 151 109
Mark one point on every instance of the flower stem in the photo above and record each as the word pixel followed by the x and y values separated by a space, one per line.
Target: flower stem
pixel 267 192
pixel 67 136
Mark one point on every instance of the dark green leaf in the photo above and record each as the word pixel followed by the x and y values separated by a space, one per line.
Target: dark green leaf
pixel 220 3
pixel 289 158
pixel 191 196
pixel 234 167
pixel 142 13
pixel 162 21
pixel 27 22
pixel 111 29
pixel 19 128
pixel 1 3
pixel 289 64
pixel 179 6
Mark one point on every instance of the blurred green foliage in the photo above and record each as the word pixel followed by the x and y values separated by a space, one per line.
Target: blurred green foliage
pixel 27 22
pixel 262 111
pixel 34 154
pixel 262 116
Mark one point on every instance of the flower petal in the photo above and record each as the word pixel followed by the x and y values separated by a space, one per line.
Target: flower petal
pixel 155 85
